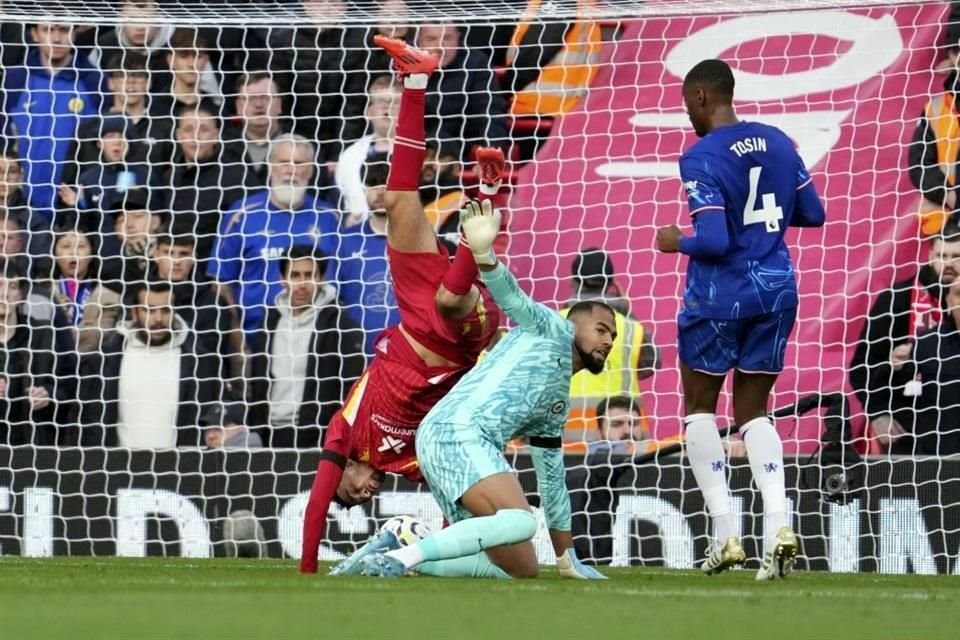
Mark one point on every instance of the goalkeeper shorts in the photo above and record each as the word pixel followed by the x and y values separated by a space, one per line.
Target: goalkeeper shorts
pixel 452 459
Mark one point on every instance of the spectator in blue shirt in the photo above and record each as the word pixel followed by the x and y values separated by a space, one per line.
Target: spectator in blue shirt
pixel 46 98
pixel 264 225
pixel 364 274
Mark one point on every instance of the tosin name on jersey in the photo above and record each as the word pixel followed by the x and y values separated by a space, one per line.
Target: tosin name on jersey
pixel 901 542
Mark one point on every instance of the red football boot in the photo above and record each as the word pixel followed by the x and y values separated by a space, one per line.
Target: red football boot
pixel 407 58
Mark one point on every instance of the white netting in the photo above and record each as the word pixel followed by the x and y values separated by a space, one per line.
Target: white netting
pixel 145 158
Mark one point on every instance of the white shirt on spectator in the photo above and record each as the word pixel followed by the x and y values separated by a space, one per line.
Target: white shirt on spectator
pixel 149 390
pixel 289 351
pixel 349 178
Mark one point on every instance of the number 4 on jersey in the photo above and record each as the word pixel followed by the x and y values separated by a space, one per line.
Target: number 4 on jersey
pixel 770 213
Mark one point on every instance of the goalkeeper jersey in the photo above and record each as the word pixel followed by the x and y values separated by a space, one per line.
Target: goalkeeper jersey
pixel 520 389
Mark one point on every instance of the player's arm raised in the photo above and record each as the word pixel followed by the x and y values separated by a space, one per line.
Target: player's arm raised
pixel 480 223
pixel 710 239
pixel 547 456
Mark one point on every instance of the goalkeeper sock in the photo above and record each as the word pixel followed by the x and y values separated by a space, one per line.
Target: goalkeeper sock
pixel 462 271
pixel 708 462
pixel 765 453
pixel 408 145
pixel 475 566
pixel 469 537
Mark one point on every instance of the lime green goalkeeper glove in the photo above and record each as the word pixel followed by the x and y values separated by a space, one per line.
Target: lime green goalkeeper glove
pixel 480 224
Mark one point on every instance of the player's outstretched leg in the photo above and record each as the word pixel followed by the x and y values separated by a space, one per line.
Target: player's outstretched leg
pixel 502 522
pixel 708 461
pixel 751 392
pixel 408 229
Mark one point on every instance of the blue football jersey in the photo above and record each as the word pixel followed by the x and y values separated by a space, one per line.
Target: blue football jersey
pixel 753 173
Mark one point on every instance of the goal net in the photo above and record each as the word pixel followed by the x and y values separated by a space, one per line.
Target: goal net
pixel 169 365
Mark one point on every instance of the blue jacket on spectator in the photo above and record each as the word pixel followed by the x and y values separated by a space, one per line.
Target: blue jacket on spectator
pixel 45 111
pixel 253 235
pixel 363 275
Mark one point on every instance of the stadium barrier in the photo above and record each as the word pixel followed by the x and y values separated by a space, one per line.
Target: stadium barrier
pixel 106 502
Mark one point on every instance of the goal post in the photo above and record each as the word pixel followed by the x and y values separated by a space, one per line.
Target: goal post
pixel 848 81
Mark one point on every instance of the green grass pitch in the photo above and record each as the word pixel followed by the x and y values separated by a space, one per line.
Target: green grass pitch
pixel 181 598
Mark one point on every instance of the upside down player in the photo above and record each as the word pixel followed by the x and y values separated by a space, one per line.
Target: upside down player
pixel 520 389
pixel 745 184
pixel 446 319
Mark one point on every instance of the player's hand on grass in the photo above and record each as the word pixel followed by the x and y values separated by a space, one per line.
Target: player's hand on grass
pixel 480 224
pixel 571 567
pixel 668 239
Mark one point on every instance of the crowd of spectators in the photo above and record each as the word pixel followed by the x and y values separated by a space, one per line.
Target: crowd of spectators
pixel 192 221
pixel 193 232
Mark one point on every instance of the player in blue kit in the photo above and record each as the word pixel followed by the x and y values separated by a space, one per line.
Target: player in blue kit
pixel 745 184
pixel 520 389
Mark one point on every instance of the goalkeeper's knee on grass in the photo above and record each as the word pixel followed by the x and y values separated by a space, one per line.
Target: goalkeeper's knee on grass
pixel 471 536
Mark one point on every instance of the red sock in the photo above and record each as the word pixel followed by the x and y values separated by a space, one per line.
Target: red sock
pixel 462 273
pixel 408 146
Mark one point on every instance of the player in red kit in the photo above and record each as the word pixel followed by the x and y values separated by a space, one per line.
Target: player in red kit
pixel 447 318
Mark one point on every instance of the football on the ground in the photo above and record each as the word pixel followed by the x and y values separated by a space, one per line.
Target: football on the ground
pixel 409 530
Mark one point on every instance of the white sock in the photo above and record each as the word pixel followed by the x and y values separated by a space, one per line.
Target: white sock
pixel 416 81
pixel 765 453
pixel 708 461
pixel 410 556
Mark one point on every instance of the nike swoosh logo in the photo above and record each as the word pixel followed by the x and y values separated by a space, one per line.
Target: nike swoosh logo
pixel 438 379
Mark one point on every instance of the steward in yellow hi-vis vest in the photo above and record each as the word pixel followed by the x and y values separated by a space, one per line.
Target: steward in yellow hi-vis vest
pixel 632 358
pixel 933 158
pixel 566 55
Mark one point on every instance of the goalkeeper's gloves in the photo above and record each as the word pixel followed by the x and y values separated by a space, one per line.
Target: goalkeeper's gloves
pixel 480 224
pixel 571 567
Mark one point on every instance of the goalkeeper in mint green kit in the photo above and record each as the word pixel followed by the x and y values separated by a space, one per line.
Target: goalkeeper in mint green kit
pixel 520 389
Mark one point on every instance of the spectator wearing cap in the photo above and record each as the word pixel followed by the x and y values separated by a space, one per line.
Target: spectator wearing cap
pixel 195 300
pixel 124 258
pixel 464 101
pixel 150 382
pixel 207 176
pixel 224 428
pixel 149 135
pixel 593 279
pixel 383 101
pixel 36 245
pixel 45 100
pixel 363 273
pixel 33 375
pixel 101 187
pixel 267 223
pixel 306 356
pixel 633 356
